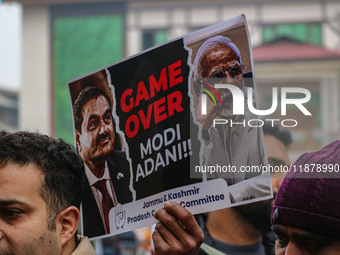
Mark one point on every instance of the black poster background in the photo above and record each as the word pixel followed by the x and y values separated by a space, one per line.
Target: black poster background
pixel 128 74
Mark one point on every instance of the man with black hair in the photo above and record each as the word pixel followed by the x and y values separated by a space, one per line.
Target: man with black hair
pixel 40 193
pixel 107 170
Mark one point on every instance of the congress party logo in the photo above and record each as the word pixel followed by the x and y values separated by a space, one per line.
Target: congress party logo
pixel 120 216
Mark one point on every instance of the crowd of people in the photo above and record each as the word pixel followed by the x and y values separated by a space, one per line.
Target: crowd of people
pixel 39 206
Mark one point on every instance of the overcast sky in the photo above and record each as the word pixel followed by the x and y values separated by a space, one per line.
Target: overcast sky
pixel 10 45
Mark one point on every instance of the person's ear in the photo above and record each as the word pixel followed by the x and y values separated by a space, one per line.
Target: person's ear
pixel 78 141
pixel 67 224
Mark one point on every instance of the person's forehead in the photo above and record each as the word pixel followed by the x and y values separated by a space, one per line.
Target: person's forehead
pixel 282 229
pixel 306 240
pixel 21 183
pixel 275 148
pixel 219 50
pixel 297 233
pixel 97 105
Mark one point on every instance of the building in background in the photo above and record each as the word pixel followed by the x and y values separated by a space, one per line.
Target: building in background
pixel 8 110
pixel 287 62
pixel 296 43
pixel 10 64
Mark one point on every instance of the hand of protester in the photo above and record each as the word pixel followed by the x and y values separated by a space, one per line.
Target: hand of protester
pixel 177 232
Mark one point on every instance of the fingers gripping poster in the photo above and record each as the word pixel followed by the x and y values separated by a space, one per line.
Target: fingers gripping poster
pixel 170 124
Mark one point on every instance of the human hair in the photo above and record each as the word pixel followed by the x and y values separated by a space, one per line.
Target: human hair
pixel 209 45
pixel 61 166
pixel 283 135
pixel 84 96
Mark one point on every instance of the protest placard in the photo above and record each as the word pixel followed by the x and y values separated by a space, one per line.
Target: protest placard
pixel 172 123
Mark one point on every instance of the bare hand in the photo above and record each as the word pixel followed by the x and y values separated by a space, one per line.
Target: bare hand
pixel 177 232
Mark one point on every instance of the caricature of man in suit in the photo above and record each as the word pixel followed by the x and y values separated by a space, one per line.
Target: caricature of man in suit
pixel 107 169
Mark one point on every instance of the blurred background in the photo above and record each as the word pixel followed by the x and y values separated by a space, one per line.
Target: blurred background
pixel 45 43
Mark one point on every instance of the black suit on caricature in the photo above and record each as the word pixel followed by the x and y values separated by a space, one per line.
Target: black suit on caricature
pixel 92 221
